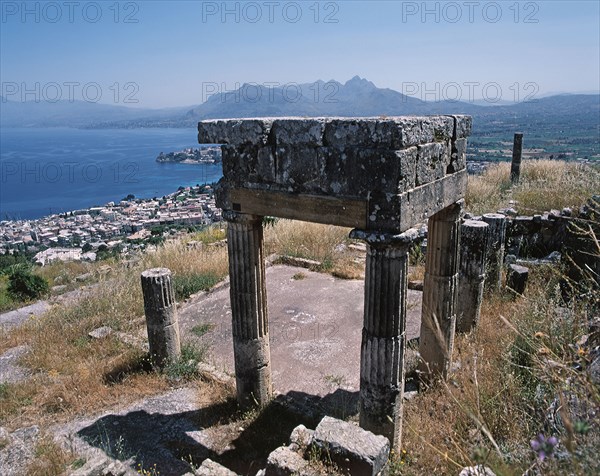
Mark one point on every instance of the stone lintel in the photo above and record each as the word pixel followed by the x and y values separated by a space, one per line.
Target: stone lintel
pixel 393 214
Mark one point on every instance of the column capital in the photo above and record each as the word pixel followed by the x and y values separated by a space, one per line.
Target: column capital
pixel 384 238
pixel 232 216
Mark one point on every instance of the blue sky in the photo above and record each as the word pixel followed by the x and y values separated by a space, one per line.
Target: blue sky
pixel 159 54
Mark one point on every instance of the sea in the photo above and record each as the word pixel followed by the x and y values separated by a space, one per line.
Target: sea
pixel 44 171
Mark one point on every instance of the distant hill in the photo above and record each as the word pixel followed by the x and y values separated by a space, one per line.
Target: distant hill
pixel 74 113
pixel 356 97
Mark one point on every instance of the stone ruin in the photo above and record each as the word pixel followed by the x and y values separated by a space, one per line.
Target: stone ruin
pixel 379 176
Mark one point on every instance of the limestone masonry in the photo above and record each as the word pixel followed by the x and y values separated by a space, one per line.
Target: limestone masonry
pixel 382 173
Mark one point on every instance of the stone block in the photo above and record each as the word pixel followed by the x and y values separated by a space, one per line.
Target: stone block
pixel 516 278
pixel 435 128
pixel 234 131
pixel 248 164
pixel 408 169
pixel 301 437
pixel 285 462
pixel 411 132
pixel 357 132
pixel 432 161
pixel 443 127
pixel 297 132
pixel 212 468
pixel 356 450
pixel 300 169
pixel 100 332
pixel 462 126
pixel 459 156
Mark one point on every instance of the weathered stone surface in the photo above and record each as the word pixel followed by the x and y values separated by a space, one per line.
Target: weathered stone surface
pixel 594 371
pixel 476 471
pixel 471 275
pixel 234 131
pixel 432 161
pixel 10 369
pixel 352 132
pixel 100 332
pixel 516 278
pixel 301 437
pixel 462 126
pixel 384 339
pixel 495 254
pixel 301 168
pixel 440 288
pixel 459 156
pixel 20 448
pixel 161 315
pixel 212 468
pixel 285 462
pixel 375 161
pixel 307 132
pixel 249 308
pixel 352 448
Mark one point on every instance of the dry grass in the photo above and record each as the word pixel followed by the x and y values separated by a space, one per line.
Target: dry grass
pixel 514 368
pixel 544 185
pixel 51 459
pixel 323 243
pixel 74 374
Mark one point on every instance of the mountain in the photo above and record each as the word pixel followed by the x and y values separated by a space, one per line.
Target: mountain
pixel 357 97
pixel 73 113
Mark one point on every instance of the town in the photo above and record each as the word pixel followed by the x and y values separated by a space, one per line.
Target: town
pixel 119 227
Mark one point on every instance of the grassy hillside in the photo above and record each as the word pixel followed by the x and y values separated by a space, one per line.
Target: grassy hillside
pixel 523 361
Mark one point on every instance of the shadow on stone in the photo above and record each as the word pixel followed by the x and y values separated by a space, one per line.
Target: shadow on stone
pixel 175 440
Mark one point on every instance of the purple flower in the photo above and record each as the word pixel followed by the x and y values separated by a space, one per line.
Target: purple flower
pixel 544 447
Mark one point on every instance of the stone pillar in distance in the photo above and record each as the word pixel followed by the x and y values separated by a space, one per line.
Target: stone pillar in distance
pixel 161 316
pixel 440 287
pixel 249 308
pixel 384 334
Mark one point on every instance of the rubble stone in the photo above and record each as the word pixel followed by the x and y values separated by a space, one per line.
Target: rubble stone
pixel 352 448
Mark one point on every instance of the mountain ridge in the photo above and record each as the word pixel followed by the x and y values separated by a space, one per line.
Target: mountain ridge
pixel 356 97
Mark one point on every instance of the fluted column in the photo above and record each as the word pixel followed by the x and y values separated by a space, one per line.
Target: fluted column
pixel 471 276
pixel 495 254
pixel 438 316
pixel 160 310
pixel 384 337
pixel 249 308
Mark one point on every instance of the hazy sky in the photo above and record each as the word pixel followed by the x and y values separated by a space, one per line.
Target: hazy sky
pixel 157 54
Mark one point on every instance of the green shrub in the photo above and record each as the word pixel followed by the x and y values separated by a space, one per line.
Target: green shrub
pixel 25 285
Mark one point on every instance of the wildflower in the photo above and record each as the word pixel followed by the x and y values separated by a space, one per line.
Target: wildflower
pixel 543 447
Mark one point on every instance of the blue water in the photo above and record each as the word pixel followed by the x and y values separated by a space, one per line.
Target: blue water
pixel 45 171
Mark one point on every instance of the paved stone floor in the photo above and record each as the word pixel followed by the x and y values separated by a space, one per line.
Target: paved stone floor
pixel 315 323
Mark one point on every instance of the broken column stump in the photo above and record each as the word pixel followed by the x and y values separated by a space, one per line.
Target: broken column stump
pixel 495 254
pixel 161 316
pixel 516 278
pixel 438 319
pixel 248 295
pixel 471 276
